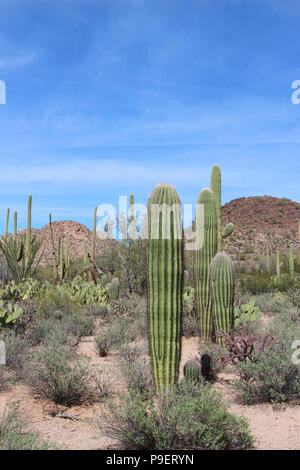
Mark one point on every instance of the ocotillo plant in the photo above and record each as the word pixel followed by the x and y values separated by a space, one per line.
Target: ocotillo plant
pixel 165 284
pixel 202 262
pixel 222 286
pixel 215 185
pixel 291 261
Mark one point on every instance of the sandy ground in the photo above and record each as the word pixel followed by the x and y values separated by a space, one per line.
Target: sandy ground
pixel 274 428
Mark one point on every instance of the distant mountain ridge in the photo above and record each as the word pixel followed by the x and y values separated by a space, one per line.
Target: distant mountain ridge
pixel 257 220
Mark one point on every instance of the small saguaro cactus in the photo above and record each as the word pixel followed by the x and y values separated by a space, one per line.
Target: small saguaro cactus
pixel 191 371
pixel 215 184
pixel 222 286
pixel 203 257
pixel 165 284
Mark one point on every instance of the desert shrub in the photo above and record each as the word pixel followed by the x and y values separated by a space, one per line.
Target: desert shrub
pixel 120 331
pixel 257 283
pixel 52 376
pixel 271 376
pixel 2 378
pixel 190 325
pixel 15 435
pixel 17 352
pixel 103 343
pixel 135 370
pixel 189 417
pixel 65 328
pixel 272 303
pixel 52 299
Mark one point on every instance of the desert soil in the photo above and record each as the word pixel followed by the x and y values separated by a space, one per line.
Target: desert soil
pixel 277 429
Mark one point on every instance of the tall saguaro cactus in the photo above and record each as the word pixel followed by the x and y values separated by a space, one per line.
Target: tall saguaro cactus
pixel 222 286
pixel 165 284
pixel 6 223
pixel 215 185
pixel 203 257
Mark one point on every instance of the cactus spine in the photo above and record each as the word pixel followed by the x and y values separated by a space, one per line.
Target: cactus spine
pixel 165 284
pixel 222 286
pixel 203 259
pixel 191 371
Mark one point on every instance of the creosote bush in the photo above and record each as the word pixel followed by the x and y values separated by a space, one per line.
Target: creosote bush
pixel 188 418
pixel 52 376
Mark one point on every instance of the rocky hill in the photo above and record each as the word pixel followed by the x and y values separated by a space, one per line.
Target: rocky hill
pixel 78 236
pixel 259 220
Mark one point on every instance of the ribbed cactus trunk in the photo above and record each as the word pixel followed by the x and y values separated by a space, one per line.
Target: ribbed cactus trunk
pixel 215 185
pixel 202 262
pixel 15 226
pixel 6 223
pixel 191 371
pixel 165 284
pixel 222 287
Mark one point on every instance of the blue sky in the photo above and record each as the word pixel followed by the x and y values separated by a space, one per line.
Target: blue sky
pixel 109 97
